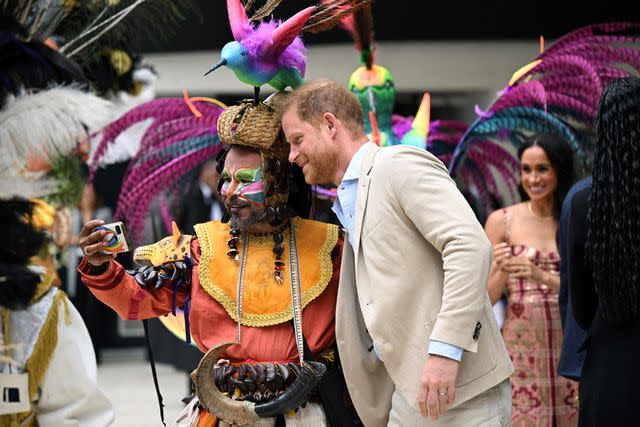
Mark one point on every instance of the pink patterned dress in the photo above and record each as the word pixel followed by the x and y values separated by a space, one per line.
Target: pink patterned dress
pixel 532 332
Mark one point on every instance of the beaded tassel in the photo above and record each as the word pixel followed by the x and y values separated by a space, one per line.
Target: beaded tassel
pixel 278 249
pixel 232 243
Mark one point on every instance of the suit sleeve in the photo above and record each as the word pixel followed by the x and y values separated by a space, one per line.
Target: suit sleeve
pixel 120 291
pixel 432 201
pixel 583 297
pixel 563 295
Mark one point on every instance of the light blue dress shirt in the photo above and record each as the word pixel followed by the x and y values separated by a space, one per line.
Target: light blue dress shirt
pixel 345 209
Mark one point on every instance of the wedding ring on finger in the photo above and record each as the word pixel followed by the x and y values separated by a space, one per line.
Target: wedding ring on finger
pixel 442 393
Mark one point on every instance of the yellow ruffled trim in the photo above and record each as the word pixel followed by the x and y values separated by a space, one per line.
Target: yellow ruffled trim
pixel 46 283
pixel 47 341
pixel 270 319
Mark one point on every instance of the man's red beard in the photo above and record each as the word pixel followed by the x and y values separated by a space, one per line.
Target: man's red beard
pixel 320 168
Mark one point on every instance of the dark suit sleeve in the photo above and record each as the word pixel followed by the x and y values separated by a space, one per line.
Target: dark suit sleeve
pixel 583 297
pixel 193 209
pixel 563 296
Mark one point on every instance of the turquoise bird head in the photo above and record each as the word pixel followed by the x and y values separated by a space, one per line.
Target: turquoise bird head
pixel 375 89
pixel 267 53
pixel 247 67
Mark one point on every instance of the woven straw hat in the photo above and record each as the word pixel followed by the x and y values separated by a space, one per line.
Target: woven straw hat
pixel 256 126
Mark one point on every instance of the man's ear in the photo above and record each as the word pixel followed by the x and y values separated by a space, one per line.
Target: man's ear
pixel 331 122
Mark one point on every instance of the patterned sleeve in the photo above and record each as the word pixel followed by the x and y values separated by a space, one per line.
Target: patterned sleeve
pixel 119 290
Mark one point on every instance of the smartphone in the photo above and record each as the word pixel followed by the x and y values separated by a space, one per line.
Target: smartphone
pixel 116 237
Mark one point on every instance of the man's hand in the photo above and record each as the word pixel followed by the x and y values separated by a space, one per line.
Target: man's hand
pixel 437 386
pixel 91 243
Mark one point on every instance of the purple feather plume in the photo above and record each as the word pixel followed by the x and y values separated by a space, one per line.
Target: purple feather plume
pixel 174 145
pixel 565 85
pixel 257 41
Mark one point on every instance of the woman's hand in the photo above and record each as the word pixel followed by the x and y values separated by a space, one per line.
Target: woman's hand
pixel 501 255
pixel 523 268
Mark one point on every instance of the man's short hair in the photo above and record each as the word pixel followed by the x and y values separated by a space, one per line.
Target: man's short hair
pixel 312 99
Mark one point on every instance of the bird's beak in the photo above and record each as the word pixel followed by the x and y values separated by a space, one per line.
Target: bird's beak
pixel 372 99
pixel 218 65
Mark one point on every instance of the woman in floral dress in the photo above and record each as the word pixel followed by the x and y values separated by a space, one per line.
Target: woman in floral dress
pixel 525 267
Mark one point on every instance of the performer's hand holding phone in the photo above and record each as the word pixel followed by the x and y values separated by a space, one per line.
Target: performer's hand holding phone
pixel 116 238
pixel 101 242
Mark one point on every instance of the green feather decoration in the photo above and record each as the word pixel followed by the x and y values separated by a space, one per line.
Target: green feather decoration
pixel 67 171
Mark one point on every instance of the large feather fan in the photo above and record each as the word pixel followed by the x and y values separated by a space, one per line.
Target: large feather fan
pixel 557 93
pixel 37 18
pixel 183 135
pixel 116 24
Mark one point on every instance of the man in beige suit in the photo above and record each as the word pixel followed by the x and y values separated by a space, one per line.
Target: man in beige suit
pixel 416 333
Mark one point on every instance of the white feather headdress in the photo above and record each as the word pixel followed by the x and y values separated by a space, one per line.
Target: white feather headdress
pixel 44 126
pixel 127 143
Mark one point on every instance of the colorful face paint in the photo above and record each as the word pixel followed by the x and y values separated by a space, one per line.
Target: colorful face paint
pixel 244 183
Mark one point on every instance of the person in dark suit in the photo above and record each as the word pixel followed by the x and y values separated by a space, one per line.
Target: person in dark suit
pixel 570 363
pixel 201 203
pixel 604 271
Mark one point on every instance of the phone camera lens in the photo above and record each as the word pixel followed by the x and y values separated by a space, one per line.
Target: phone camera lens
pixel 118 229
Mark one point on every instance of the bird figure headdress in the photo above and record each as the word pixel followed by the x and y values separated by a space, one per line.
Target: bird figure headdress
pixel 272 52
pixel 375 87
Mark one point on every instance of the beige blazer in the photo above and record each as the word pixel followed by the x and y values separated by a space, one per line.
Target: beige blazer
pixel 418 271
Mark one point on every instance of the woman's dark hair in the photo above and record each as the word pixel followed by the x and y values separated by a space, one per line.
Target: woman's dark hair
pixel 612 247
pixel 300 196
pixel 561 157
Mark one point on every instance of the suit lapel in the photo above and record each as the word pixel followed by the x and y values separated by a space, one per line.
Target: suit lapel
pixel 361 197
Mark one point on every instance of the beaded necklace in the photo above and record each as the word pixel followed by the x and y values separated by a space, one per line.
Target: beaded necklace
pixel 278 247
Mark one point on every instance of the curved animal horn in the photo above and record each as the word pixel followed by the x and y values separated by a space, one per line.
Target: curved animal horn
pixel 244 412
pixel 296 394
pixel 214 402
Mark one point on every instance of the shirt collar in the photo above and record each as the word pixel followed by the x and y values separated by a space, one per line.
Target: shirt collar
pixel 353 170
